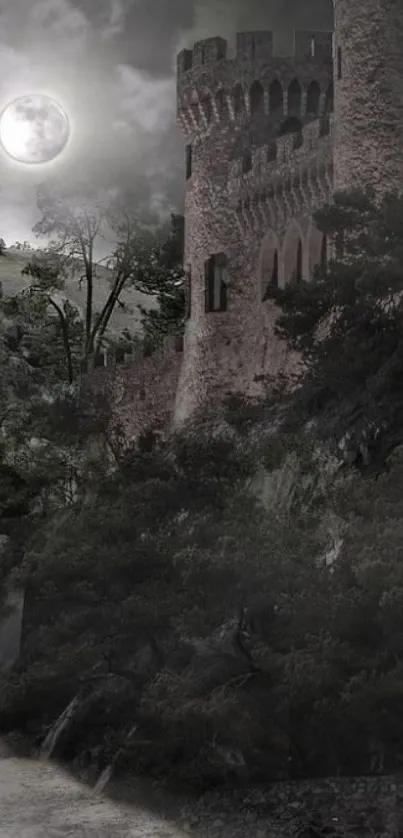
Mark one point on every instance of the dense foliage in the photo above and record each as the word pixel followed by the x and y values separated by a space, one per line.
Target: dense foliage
pixel 348 323
pixel 146 258
pixel 175 602
pixel 167 282
pixel 231 597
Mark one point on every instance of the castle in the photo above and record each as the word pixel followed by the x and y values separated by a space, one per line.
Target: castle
pixel 268 139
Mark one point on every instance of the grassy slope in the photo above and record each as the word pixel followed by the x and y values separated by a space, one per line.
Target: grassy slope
pixel 12 263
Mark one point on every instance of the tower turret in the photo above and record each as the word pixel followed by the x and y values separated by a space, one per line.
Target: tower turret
pixel 229 108
pixel 368 87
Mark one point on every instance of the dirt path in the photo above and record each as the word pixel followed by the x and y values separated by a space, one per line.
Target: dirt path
pixel 39 800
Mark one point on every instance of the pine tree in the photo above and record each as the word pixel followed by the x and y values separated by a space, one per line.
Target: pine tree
pixel 347 323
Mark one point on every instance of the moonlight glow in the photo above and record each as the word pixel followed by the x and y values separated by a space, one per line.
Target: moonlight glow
pixel 34 129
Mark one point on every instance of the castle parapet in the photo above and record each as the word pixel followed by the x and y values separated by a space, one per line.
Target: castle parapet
pixel 109 357
pixel 204 53
pixel 312 44
pixel 256 47
pixel 291 151
pixel 214 90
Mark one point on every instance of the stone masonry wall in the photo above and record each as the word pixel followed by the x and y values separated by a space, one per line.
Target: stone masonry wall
pixel 368 93
pixel 228 107
pixel 141 391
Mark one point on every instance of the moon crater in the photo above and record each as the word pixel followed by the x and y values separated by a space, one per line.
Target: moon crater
pixel 34 129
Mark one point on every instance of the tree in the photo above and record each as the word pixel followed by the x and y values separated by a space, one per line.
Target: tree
pixel 347 322
pixel 46 422
pixel 167 285
pixel 148 260
pixel 79 226
pixel 47 432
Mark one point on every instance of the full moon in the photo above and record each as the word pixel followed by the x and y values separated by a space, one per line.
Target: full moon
pixel 34 129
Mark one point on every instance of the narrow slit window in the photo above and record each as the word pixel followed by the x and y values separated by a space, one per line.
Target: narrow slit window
pixel 339 63
pixel 216 283
pixel 188 292
pixel 188 162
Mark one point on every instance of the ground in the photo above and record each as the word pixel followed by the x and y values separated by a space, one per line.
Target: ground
pixel 39 800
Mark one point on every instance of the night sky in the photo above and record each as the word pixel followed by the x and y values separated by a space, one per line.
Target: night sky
pixel 111 64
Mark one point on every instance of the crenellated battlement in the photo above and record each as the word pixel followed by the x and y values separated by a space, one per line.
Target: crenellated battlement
pixel 204 53
pixel 255 47
pixel 291 152
pixel 285 181
pixel 270 138
pixel 109 357
pixel 214 91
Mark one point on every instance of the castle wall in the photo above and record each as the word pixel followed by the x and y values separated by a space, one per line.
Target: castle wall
pixel 141 391
pixel 259 136
pixel 368 93
pixel 274 204
pixel 264 150
pixel 229 109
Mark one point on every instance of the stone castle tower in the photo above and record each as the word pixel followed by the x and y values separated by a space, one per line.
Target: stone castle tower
pixel 269 138
pixel 258 131
pixel 368 112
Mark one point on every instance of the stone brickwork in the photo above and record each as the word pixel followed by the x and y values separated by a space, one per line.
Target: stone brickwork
pixel 269 138
pixel 141 391
pixel 252 184
pixel 368 140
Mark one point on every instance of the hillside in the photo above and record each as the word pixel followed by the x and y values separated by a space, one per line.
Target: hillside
pixel 223 608
pixel 13 262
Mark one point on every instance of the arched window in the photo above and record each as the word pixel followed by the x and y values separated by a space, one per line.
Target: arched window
pixel 297 272
pixel 329 99
pixel 221 102
pixel 276 97
pixel 238 99
pixel 216 281
pixel 313 99
pixel 269 268
pixel 294 97
pixel 256 98
pixel 290 126
pixel 273 278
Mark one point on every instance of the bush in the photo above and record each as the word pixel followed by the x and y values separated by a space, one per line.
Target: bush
pixel 186 606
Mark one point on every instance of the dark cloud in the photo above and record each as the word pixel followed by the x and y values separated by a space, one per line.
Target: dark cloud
pixel 150 30
pixel 111 65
